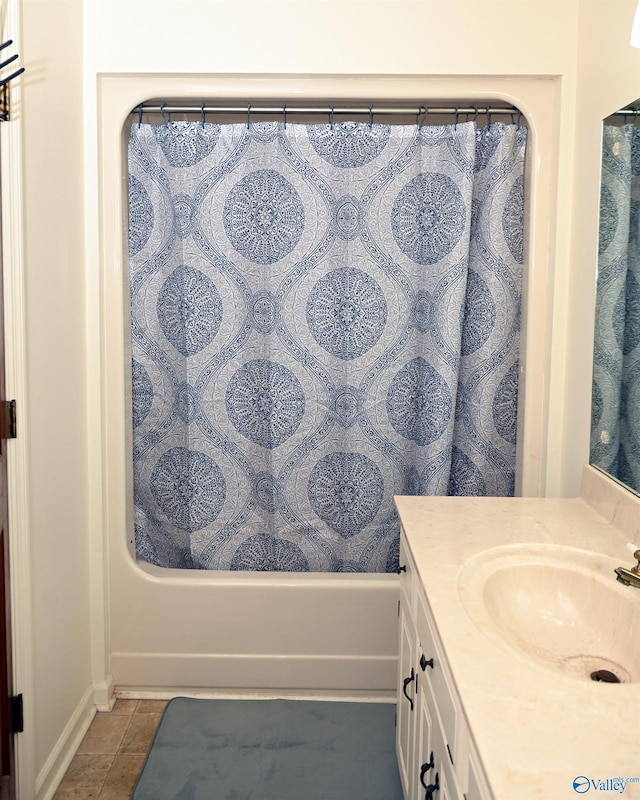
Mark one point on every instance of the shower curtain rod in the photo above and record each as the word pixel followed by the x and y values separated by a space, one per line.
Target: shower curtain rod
pixel 629 111
pixel 418 111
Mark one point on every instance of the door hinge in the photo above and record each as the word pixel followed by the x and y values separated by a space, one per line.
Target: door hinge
pixel 8 428
pixel 5 102
pixel 17 714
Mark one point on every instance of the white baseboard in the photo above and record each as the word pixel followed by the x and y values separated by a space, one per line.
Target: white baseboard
pixel 169 692
pixel 104 697
pixel 56 765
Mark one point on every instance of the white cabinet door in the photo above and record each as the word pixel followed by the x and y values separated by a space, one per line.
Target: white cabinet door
pixel 407 700
pixel 405 734
pixel 441 683
pixel 424 767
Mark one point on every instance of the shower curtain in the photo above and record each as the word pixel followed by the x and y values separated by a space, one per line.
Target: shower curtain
pixel 322 316
pixel 615 408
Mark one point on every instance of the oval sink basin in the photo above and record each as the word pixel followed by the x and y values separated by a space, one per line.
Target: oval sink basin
pixel 558 606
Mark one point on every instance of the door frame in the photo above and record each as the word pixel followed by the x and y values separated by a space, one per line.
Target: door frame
pixel 20 593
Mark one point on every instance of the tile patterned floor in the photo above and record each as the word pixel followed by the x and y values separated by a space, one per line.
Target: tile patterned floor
pixel 110 757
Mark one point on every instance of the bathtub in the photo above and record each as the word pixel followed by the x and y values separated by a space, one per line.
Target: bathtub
pixel 227 633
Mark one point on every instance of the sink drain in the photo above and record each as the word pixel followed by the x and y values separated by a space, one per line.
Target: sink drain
pixel 597 668
pixel 605 676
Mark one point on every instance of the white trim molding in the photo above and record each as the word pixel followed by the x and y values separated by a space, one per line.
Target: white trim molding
pixel 11 159
pixel 56 765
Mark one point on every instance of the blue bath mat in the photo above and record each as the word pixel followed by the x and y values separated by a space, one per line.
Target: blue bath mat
pixel 272 750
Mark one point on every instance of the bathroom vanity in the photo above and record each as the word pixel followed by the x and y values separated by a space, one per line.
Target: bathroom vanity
pixel 436 755
pixel 508 607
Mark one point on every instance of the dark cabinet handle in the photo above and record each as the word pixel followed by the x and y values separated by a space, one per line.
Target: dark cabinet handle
pixel 402 568
pixel 405 683
pixel 432 788
pixel 450 756
pixel 424 769
pixel 424 663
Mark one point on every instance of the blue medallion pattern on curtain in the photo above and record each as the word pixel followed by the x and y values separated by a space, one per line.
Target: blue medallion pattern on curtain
pixel 321 317
pixel 615 408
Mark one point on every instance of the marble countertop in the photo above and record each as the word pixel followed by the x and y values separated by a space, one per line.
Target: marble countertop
pixel 535 729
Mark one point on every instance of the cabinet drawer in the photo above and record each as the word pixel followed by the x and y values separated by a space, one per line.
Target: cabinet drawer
pixel 442 687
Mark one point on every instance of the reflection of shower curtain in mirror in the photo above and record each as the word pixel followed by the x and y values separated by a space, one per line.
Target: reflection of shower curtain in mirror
pixel 322 316
pixel 615 424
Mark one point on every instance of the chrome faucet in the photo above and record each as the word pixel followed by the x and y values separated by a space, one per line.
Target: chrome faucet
pixel 630 577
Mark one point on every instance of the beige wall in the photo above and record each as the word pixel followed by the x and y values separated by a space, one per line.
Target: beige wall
pixel 428 37
pixel 53 421
pixel 582 42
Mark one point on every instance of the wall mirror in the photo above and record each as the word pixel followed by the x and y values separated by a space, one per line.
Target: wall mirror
pixel 615 409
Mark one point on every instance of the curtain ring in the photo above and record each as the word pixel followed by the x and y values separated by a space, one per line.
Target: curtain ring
pixel 166 118
pixel 202 110
pixel 140 107
pixel 519 118
pixel 488 113
pixel 284 115
pixel 455 119
pixel 475 113
pixel 248 115
pixel 371 116
pixel 420 122
pixel 330 116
